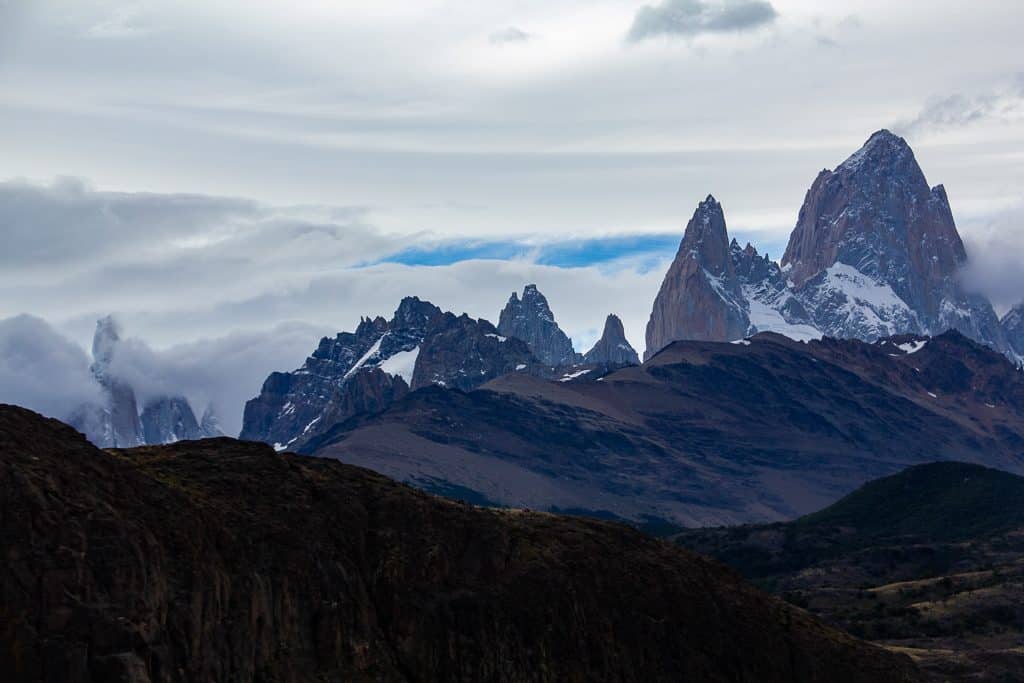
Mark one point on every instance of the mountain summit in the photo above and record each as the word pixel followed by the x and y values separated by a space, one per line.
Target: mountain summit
pixel 531 320
pixel 700 297
pixel 383 360
pixel 612 348
pixel 875 252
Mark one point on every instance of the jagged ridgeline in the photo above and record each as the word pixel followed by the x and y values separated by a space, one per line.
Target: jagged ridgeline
pixel 875 252
pixel 365 371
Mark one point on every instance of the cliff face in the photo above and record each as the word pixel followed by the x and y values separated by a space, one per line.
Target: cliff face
pixel 531 320
pixel 220 560
pixel 875 253
pixel 380 362
pixel 872 235
pixel 1013 327
pixel 700 297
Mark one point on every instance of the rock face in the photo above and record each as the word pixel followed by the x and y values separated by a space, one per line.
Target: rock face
pixel 117 422
pixel 704 433
pixel 463 353
pixel 875 253
pixel 1013 327
pixel 169 419
pixel 700 297
pixel 873 235
pixel 220 560
pixel 379 363
pixel 612 348
pixel 531 320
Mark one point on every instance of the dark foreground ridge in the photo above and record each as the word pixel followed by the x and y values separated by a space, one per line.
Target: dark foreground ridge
pixel 220 560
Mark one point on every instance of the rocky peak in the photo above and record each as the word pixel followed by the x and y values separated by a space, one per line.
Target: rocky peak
pixel 104 342
pixel 414 313
pixel 210 424
pixel 531 320
pixel 875 212
pixel 1013 327
pixel 751 268
pixel 612 348
pixel 462 353
pixel 169 420
pixel 365 371
pixel 115 424
pixel 876 252
pixel 707 239
pixel 700 297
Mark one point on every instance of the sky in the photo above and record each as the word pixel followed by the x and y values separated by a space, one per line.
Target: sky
pixel 224 175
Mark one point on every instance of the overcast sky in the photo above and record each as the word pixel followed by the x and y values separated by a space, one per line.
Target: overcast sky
pixel 206 168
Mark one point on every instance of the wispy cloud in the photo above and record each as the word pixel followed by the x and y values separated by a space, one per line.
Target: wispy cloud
pixel 959 110
pixel 994 249
pixel 121 22
pixel 692 17
pixel 509 34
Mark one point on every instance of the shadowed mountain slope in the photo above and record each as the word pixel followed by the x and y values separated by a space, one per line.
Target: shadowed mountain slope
pixel 704 433
pixel 930 560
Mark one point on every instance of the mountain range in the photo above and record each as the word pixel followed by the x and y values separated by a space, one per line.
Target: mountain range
pixel 875 252
pixel 860 353
pixel 420 346
pixel 704 432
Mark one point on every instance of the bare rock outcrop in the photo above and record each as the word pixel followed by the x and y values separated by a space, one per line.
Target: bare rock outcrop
pixel 700 297
pixel 612 348
pixel 531 320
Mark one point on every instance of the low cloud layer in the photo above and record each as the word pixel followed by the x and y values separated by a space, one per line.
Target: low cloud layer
pixel 994 251
pixel 692 17
pixel 175 268
pixel 42 370
pixel 215 293
pixel 223 372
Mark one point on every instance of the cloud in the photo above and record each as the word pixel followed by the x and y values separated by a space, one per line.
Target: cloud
pixel 121 22
pixel 222 372
pixel 994 251
pixel 70 250
pixel 509 34
pixel 693 17
pixel 958 110
pixel 45 371
pixel 42 370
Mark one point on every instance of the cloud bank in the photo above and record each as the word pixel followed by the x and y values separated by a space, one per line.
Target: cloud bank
pixel 42 370
pixel 994 251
